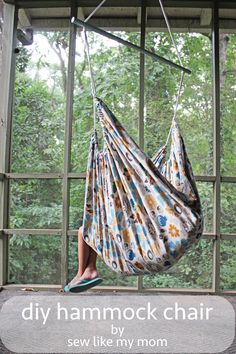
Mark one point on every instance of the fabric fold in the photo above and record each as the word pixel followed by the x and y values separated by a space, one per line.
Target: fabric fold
pixel 140 214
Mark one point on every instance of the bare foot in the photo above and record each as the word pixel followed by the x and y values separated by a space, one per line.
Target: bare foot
pixel 75 280
pixel 89 273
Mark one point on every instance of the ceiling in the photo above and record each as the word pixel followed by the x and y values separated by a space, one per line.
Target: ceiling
pixel 184 16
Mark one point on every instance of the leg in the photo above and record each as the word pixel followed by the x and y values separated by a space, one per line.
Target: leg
pixel 87 261
pixel 90 271
pixel 83 253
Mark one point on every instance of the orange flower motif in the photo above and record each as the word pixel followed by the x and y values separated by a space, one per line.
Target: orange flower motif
pixel 139 265
pixel 163 195
pixel 89 224
pixel 126 235
pixel 175 165
pixel 170 211
pixel 118 184
pixel 130 172
pixel 117 202
pixel 139 218
pixel 151 201
pixel 174 232
pixel 152 180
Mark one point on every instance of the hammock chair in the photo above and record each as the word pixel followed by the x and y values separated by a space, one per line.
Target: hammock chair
pixel 141 214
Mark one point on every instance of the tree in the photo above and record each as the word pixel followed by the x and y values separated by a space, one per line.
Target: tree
pixel 38 135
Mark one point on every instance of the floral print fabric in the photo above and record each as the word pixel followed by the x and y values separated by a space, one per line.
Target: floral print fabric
pixel 141 215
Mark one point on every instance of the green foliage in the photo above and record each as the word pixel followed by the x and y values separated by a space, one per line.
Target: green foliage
pixel 228 264
pixel 228 108
pixel 35 204
pixel 38 132
pixel 195 113
pixel 35 259
pixel 38 145
pixel 193 270
pixel 22 59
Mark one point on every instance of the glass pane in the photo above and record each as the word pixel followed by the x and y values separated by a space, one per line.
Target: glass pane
pixel 40 96
pixel 77 193
pixel 193 270
pixel 34 259
pixel 195 108
pixel 35 203
pixel 228 207
pixel 205 191
pixel 72 257
pixel 228 264
pixel 116 72
pixel 109 276
pixel 113 279
pixel 227 104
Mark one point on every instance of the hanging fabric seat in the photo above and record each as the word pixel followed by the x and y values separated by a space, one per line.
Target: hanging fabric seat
pixel 141 215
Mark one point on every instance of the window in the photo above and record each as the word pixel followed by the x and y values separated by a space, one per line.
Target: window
pixel 52 124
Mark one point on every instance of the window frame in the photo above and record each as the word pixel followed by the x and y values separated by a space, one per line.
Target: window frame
pixel 6 107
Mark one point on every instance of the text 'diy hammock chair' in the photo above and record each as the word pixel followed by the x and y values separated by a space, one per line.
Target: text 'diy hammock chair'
pixel 141 215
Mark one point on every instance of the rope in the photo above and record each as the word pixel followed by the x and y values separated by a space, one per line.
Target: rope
pixel 182 74
pixel 178 95
pixel 176 107
pixel 93 87
pixel 170 33
pixel 95 10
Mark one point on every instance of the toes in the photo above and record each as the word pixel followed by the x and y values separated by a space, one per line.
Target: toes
pixel 74 282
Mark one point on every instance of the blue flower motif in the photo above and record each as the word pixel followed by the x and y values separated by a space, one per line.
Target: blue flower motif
pixel 147 189
pixel 184 242
pixel 162 220
pixel 109 219
pixel 132 202
pixel 95 219
pixel 137 239
pixel 160 199
pixel 174 254
pixel 99 248
pixel 112 212
pixel 138 227
pixel 88 217
pixel 115 228
pixel 172 245
pixel 130 254
pixel 132 185
pixel 158 189
pixel 120 216
pixel 106 245
pixel 144 231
